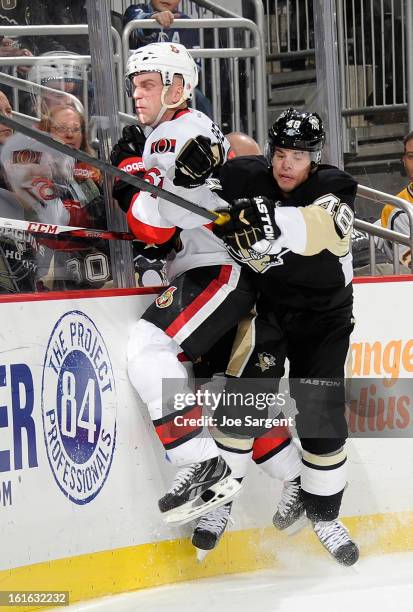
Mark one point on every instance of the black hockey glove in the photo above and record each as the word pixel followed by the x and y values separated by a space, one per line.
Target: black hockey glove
pixel 196 161
pixel 251 220
pixel 127 156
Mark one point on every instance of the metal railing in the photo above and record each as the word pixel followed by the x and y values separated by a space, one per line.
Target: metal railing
pixel 381 198
pixel 375 231
pixel 373 54
pixel 289 29
pixel 375 47
pixel 232 55
pixel 23 85
pixel 189 7
pixel 84 60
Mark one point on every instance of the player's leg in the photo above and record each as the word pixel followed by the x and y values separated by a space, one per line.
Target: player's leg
pixel 237 452
pixel 191 314
pixel 274 450
pixel 252 362
pixel 318 346
pixel 210 370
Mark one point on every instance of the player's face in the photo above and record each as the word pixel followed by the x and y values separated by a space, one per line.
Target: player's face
pixel 147 95
pixel 408 159
pixel 5 109
pixel 290 168
pixel 66 126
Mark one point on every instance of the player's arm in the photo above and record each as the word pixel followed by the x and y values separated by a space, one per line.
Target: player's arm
pixel 127 156
pixel 160 156
pixel 185 175
pixel 326 224
pixel 142 214
pixel 262 224
pixel 197 160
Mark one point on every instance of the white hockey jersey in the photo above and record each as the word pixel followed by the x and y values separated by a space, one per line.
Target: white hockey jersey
pixel 154 219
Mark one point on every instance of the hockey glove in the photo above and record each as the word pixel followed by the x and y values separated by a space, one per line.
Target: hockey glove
pixel 251 220
pixel 196 161
pixel 127 156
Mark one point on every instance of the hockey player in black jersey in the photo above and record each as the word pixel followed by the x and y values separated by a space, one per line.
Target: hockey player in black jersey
pixel 290 223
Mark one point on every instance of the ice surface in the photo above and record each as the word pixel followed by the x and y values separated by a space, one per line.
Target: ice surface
pixel 309 584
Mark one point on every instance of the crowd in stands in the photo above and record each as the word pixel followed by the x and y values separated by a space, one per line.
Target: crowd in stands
pixel 62 110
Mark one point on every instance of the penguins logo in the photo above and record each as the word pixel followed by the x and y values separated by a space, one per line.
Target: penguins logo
pixel 265 361
pixel 166 298
pixel 257 261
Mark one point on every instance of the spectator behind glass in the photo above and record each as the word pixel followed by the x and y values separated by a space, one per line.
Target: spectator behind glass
pixel 77 264
pixel 10 47
pixel 165 12
pixel 47 12
pixel 5 132
pixel 61 75
pixel 395 218
pixel 20 252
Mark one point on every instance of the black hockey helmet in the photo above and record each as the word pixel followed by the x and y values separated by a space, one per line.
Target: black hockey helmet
pixel 296 130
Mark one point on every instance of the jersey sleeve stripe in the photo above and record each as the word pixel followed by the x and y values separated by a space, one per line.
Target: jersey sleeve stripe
pixel 148 233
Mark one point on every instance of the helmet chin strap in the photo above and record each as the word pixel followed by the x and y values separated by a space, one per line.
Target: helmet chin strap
pixel 165 106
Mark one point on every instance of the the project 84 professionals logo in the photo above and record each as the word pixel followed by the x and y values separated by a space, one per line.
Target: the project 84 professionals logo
pixel 78 407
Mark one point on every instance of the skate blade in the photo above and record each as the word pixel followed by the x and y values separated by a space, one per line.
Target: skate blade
pixel 298 526
pixel 201 554
pixel 224 490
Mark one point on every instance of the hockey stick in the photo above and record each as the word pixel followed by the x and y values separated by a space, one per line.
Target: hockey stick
pixel 140 183
pixel 63 231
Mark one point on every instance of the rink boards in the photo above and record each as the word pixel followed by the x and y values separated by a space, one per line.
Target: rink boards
pixel 81 470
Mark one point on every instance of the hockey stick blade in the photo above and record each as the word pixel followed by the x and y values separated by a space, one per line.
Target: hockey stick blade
pixel 135 181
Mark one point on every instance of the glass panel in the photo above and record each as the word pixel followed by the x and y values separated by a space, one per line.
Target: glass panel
pixel 47 82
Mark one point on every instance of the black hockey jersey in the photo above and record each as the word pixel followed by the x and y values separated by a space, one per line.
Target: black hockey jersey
pixel 321 277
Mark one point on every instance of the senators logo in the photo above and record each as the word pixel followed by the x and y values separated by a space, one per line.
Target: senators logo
pixel 175 49
pixel 165 145
pixel 26 156
pixel 166 298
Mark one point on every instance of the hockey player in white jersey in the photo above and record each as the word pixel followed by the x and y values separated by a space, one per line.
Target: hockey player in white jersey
pixel 208 295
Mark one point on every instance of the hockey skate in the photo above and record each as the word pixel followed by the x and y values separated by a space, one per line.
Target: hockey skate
pixel 197 489
pixel 209 530
pixel 335 538
pixel 290 515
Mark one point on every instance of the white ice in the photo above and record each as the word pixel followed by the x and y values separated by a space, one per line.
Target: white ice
pixel 307 584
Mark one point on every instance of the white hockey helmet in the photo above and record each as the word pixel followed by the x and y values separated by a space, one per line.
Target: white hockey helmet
pixel 57 69
pixel 166 58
